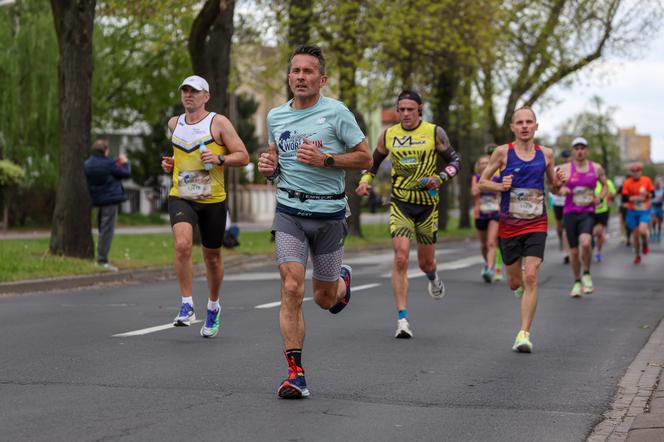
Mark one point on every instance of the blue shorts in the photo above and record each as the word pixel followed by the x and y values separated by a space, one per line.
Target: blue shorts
pixel 636 217
pixel 658 212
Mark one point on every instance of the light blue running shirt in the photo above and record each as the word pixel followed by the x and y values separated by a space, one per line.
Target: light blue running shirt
pixel 329 125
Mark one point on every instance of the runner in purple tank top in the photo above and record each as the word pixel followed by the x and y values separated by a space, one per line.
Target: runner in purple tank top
pixel 579 212
pixel 522 226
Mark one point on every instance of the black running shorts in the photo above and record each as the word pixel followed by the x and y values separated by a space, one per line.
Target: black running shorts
pixel 210 218
pixel 528 244
pixel 576 224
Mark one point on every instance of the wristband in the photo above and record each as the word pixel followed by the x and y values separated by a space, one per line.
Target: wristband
pixel 275 175
pixel 367 178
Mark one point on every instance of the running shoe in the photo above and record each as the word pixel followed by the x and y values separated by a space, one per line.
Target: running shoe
pixel 436 288
pixel 522 342
pixel 295 386
pixel 577 290
pixel 403 329
pixel 211 327
pixel 598 257
pixel 346 276
pixel 485 275
pixel 186 317
pixel 499 275
pixel 637 259
pixel 646 249
pixel 587 284
pixel 518 293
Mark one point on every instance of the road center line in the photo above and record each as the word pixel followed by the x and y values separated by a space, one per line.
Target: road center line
pixel 443 266
pixel 355 289
pixel 145 331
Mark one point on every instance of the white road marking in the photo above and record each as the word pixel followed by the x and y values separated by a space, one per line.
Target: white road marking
pixel 145 331
pixel 308 298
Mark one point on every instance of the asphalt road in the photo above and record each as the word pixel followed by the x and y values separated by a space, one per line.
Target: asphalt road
pixel 65 374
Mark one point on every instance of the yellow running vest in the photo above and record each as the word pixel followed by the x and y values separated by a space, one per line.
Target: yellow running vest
pixel 190 179
pixel 413 154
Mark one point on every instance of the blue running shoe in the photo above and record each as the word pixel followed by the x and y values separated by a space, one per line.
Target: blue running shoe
pixel 295 387
pixel 186 317
pixel 211 327
pixel 346 276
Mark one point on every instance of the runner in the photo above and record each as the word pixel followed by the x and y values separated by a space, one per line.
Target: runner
pixel 203 144
pixel 523 223
pixel 414 146
pixel 557 203
pixel 488 149
pixel 486 209
pixel 579 212
pixel 638 189
pixel 312 139
pixel 602 214
pixel 657 211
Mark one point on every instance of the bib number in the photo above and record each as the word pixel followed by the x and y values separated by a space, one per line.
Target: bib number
pixel 582 196
pixel 194 184
pixel 526 203
pixel 489 203
pixel 640 205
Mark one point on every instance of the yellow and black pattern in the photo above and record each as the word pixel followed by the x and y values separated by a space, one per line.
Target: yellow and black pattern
pixel 421 220
pixel 414 156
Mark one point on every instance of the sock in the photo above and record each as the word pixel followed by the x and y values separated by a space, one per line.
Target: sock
pixel 432 276
pixel 499 259
pixel 188 300
pixel 294 355
pixel 213 305
pixel 577 280
pixel 403 314
pixel 586 272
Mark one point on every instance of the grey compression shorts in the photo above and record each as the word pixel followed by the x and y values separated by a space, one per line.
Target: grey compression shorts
pixel 294 236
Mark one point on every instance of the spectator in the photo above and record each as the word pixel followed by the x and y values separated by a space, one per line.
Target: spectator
pixel 104 175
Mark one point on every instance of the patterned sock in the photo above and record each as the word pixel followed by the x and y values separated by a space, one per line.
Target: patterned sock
pixel 294 355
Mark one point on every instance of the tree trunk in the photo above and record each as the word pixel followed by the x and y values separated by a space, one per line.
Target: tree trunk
pixel 445 93
pixel 465 142
pixel 210 49
pixel 71 234
pixel 299 27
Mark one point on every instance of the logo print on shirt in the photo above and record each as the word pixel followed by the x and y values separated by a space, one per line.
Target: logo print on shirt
pixel 321 120
pixel 406 141
pixel 290 141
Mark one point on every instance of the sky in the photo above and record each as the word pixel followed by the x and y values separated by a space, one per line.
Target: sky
pixel 635 87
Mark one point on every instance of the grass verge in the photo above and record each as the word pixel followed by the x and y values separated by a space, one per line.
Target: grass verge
pixel 29 259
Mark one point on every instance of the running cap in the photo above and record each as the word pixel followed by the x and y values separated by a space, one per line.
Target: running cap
pixel 196 82
pixel 579 140
pixel 409 95
pixel 565 153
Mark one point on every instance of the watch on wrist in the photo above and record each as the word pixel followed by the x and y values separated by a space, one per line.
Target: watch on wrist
pixel 221 159
pixel 328 161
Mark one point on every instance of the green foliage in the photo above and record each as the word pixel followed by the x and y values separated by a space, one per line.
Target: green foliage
pixel 29 93
pixel 10 173
pixel 246 108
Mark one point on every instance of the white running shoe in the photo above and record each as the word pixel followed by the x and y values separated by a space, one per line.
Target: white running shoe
pixel 437 288
pixel 403 329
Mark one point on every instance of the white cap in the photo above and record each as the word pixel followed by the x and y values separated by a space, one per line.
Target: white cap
pixel 196 82
pixel 579 140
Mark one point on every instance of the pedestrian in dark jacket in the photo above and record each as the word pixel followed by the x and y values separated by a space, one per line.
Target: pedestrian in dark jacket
pixel 104 175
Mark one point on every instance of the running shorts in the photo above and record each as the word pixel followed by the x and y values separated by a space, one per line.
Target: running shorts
pixel 407 219
pixel 210 218
pixel 558 212
pixel 658 212
pixel 483 224
pixel 576 224
pixel 294 236
pixel 528 244
pixel 636 217
pixel 602 218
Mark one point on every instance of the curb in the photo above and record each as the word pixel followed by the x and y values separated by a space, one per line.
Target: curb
pixel 637 411
pixel 121 277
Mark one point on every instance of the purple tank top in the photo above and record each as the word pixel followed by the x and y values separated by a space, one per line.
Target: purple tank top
pixel 489 202
pixel 582 187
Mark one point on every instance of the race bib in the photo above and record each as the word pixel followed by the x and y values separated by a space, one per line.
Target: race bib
pixel 194 184
pixel 489 203
pixel 526 203
pixel 583 196
pixel 640 205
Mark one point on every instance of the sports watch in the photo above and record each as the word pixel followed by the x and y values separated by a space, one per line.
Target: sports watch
pixel 328 161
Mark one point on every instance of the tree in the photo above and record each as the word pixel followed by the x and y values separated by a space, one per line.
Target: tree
pixel 598 128
pixel 71 234
pixel 548 42
pixel 210 49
